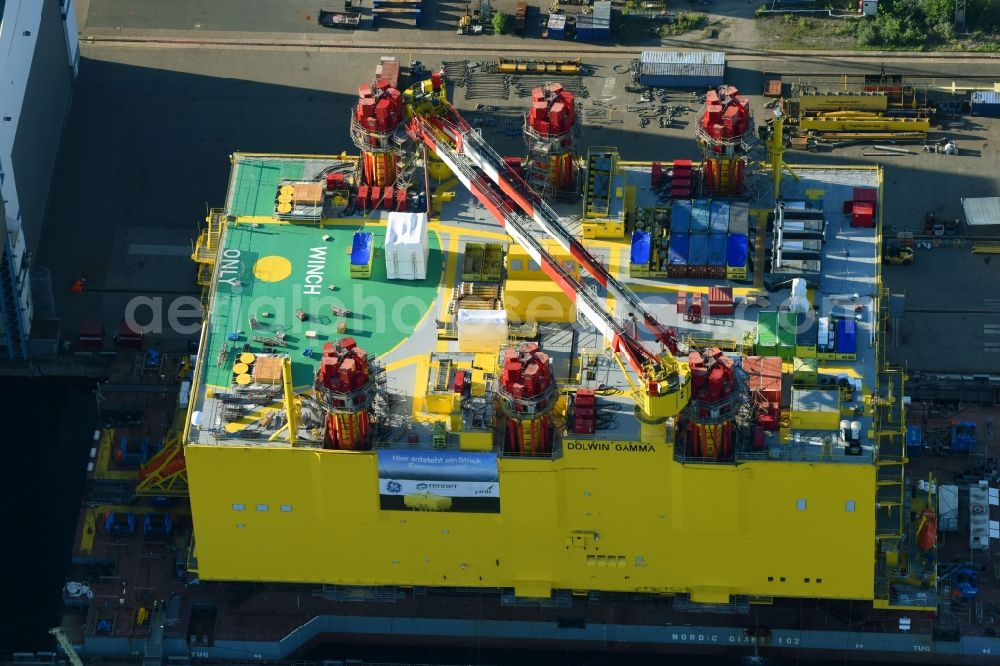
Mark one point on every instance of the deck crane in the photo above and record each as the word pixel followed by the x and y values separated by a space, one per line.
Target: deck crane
pixel 664 388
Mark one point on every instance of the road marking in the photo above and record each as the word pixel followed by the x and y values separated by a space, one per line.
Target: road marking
pixel 162 250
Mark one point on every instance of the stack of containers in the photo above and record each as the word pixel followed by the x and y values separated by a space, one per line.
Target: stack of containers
pixel 680 228
pixel 596 26
pixel 680 184
pixel 786 335
pixel 766 343
pixel 718 240
pixel 737 254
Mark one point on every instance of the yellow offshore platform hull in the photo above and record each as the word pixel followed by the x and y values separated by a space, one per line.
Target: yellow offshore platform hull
pixel 606 515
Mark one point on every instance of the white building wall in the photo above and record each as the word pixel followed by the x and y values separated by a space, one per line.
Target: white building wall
pixel 19 29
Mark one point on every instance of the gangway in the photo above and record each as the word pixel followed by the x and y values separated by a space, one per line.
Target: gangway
pixel 664 388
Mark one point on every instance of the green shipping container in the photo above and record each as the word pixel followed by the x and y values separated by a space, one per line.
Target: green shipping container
pixel 767 338
pixel 786 325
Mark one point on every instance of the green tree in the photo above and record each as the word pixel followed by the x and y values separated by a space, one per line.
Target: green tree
pixel 500 21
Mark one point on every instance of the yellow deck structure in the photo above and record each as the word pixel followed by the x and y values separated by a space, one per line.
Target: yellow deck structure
pixel 607 515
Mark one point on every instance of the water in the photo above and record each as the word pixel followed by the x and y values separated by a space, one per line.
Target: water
pixel 47 429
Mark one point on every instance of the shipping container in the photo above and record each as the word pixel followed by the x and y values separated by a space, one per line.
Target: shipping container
pixel 640 247
pixel 739 217
pixel 786 330
pixel 846 337
pixel 556 26
pixel 737 251
pixel 719 217
pixel 767 337
pixel 701 215
pixel 698 70
pixel 985 103
pixel 698 251
pixel 680 216
pixel 596 26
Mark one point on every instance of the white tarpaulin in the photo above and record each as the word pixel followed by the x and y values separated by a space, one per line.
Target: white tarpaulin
pixel 481 330
pixel 406 246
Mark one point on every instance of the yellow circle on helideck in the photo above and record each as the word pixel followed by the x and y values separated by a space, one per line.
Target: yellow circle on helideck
pixel 272 268
pixel 240 369
pixel 243 380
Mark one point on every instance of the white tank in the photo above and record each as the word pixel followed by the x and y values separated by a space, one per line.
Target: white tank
pixel 845 429
pixel 97 435
pixel 856 430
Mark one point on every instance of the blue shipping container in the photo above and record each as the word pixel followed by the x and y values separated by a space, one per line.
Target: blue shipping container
pixel 985 103
pixel 736 256
pixel 719 223
pixel 698 250
pixel 680 216
pixel 700 216
pixel 640 247
pixel 717 249
pixel 847 336
pixel 679 248
pixel 361 248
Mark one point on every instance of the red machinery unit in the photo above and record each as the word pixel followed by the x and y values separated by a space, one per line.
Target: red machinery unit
pixel 723 127
pixel 345 385
pixel 550 129
pixel 584 412
pixel 707 430
pixel 376 117
pixel 527 394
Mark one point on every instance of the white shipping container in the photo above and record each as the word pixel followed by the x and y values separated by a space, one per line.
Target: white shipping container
pixel 406 247
pixel 481 330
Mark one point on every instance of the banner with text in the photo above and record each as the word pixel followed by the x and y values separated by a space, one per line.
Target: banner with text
pixel 438 481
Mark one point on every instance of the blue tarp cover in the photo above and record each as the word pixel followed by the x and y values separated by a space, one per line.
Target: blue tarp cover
pixel 678 255
pixel 361 248
pixel 717 246
pixel 698 250
pixel 640 247
pixel 737 254
pixel 700 215
pixel 680 216
pixel 719 217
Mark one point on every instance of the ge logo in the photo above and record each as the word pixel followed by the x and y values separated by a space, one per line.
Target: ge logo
pixel 393 487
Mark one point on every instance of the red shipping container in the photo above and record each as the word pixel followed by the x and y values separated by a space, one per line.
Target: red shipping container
pixel 401 201
pixel 376 196
pixel 865 194
pixel 682 302
pixel 362 197
pixel 863 214
pixel 388 198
